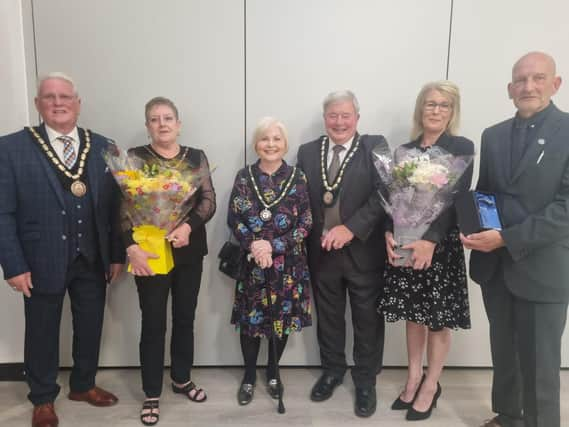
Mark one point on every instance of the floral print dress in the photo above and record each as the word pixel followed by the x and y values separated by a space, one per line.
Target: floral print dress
pixel 287 230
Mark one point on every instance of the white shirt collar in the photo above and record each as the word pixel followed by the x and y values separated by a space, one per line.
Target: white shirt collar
pixel 347 145
pixel 53 134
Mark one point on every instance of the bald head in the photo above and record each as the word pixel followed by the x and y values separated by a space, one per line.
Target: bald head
pixel 541 57
pixel 533 83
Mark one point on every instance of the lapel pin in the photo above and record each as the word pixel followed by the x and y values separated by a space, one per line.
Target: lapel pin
pixel 541 141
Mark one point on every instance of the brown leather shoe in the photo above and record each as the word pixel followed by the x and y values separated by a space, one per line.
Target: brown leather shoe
pixel 44 416
pixel 96 397
pixel 492 423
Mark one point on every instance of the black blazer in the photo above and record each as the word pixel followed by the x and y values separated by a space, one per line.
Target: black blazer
pixel 32 215
pixel 533 201
pixel 360 207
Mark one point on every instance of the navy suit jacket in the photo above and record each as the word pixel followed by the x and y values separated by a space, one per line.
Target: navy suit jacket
pixel 32 211
pixel 360 207
pixel 533 201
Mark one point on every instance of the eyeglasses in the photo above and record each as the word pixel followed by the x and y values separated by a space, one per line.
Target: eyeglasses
pixel 444 107
pixel 53 98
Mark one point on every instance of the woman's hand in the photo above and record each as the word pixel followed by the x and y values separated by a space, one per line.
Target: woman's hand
pixel 390 245
pixel 180 236
pixel 138 259
pixel 262 252
pixel 422 254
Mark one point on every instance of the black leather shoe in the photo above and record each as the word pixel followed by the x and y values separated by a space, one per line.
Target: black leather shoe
pixel 414 415
pixel 366 401
pixel 245 393
pixel 274 388
pixel 324 387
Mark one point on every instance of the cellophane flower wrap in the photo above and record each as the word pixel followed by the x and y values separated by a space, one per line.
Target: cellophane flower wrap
pixel 156 198
pixel 419 186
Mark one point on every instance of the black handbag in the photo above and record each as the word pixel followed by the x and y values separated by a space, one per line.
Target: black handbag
pixel 232 260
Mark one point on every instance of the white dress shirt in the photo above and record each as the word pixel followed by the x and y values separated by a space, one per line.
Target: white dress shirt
pixel 57 146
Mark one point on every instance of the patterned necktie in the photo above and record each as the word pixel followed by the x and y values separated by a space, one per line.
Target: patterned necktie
pixel 335 163
pixel 69 155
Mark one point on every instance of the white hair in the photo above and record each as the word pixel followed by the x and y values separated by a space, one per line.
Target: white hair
pixel 340 96
pixel 57 75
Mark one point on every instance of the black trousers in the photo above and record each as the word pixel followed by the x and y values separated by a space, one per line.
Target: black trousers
pixel 184 282
pixel 525 338
pixel 335 276
pixel 86 286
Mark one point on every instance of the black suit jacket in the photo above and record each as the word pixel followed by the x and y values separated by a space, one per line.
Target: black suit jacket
pixel 360 207
pixel 32 216
pixel 533 201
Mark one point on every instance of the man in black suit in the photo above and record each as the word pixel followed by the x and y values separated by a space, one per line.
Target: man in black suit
pixel 346 248
pixel 59 231
pixel 524 268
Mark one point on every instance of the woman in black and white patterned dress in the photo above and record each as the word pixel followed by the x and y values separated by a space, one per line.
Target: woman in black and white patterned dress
pixel 431 295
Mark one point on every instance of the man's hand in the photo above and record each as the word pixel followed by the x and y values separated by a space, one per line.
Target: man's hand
pixel 138 258
pixel 180 236
pixel 22 283
pixel 338 237
pixel 484 241
pixel 114 273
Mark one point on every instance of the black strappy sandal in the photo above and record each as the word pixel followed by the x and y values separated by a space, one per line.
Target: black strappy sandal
pixel 191 391
pixel 153 408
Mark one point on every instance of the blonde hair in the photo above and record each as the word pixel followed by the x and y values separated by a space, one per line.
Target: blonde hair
pixel 263 126
pixel 449 90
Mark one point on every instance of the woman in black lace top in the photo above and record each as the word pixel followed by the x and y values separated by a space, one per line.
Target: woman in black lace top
pixel 189 247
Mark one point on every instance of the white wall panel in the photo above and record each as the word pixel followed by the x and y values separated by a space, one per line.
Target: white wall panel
pixel 123 53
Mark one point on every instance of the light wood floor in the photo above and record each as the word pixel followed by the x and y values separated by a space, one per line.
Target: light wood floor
pixel 465 401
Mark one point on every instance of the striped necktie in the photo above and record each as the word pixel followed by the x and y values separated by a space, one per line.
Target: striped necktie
pixel 69 155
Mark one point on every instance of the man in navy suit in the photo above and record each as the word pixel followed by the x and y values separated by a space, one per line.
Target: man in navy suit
pixel 346 248
pixel 523 269
pixel 59 232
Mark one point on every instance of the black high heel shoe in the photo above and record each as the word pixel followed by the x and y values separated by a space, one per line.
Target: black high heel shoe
pixel 414 415
pixel 400 405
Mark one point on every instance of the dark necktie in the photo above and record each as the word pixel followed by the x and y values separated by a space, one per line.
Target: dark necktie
pixel 332 213
pixel 335 163
pixel 69 155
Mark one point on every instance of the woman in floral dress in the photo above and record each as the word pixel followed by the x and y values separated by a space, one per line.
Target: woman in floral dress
pixel 269 214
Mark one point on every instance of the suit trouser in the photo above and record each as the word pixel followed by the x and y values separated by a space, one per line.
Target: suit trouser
pixel 336 274
pixel 87 289
pixel 184 281
pixel 525 338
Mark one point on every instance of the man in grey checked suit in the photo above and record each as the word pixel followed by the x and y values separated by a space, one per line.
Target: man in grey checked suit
pixel 524 269
pixel 59 232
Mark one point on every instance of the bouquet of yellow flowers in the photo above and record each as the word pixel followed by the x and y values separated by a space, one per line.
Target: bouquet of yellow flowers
pixel 156 197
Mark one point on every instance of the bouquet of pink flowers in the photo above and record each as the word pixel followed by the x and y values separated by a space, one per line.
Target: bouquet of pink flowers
pixel 419 186
pixel 156 200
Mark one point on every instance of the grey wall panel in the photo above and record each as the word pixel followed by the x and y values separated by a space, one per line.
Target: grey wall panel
pixel 299 51
pixel 487 38
pixel 124 53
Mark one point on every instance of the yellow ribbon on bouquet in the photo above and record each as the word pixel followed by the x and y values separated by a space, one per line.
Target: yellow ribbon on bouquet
pixel 153 239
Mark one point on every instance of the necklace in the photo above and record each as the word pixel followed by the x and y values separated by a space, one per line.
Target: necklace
pixel 78 187
pixel 163 162
pixel 266 214
pixel 329 194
